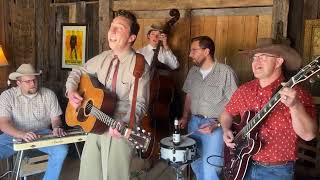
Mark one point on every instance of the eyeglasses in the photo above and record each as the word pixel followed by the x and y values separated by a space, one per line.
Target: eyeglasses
pixel 263 56
pixel 29 81
pixel 195 49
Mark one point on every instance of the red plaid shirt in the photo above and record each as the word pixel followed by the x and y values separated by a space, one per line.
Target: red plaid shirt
pixel 279 141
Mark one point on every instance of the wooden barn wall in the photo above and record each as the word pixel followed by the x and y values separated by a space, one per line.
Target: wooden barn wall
pixel 232 29
pixel 3 70
pixel 36 26
pixel 299 12
pixel 34 35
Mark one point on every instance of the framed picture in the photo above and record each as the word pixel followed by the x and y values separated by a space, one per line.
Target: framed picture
pixel 73 45
pixel 311 50
pixel 311 41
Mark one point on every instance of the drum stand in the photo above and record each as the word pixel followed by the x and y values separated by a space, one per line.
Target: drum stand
pixel 178 169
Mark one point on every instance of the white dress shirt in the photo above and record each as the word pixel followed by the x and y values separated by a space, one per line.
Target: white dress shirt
pixel 165 56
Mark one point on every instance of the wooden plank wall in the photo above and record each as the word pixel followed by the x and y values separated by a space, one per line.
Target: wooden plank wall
pixel 232 34
pixel 299 12
pixel 231 29
pixel 34 32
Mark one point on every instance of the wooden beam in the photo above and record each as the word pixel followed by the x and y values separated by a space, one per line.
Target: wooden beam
pixel 186 4
pixel 280 17
pixel 40 34
pixel 2 30
pixel 71 3
pixel 105 17
pixel 249 11
pixel 157 14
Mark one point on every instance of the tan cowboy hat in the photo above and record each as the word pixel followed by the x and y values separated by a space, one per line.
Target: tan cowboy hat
pixel 292 59
pixel 23 70
pixel 158 26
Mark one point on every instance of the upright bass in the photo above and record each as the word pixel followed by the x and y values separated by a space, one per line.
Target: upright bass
pixel 161 95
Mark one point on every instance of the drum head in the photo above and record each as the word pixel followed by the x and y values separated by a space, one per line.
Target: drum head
pixel 184 143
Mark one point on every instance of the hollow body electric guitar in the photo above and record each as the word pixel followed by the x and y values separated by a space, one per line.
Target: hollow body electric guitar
pixel 247 139
pixel 93 115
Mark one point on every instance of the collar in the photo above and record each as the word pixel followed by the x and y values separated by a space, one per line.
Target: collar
pixel 123 56
pixel 20 94
pixel 150 47
pixel 274 85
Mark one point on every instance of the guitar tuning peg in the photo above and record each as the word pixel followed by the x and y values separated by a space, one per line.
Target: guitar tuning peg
pixel 143 130
pixel 311 80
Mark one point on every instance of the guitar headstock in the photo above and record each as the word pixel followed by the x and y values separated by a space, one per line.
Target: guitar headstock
pixel 308 71
pixel 140 139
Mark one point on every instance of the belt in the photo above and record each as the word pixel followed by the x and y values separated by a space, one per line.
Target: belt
pixel 202 116
pixel 273 163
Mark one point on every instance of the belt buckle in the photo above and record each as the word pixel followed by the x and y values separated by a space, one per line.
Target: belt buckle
pixel 200 116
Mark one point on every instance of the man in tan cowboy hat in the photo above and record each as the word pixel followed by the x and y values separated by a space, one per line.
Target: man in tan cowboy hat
pixel 26 112
pixel 165 56
pixel 293 118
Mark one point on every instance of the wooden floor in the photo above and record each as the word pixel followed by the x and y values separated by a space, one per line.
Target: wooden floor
pixel 140 171
pixel 159 171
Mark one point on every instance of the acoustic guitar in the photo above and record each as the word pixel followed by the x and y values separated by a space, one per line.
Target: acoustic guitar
pixel 247 139
pixel 93 115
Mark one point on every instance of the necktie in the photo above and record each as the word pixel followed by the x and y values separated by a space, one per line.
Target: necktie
pixel 113 69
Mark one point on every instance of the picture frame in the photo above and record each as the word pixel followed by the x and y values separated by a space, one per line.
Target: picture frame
pixel 311 42
pixel 311 50
pixel 73 45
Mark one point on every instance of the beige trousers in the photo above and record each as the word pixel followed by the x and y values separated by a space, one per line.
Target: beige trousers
pixel 105 158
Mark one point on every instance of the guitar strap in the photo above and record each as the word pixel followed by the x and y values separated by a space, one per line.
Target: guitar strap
pixel 137 73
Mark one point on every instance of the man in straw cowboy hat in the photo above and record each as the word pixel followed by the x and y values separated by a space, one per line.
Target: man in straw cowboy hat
pixel 165 56
pixel 290 120
pixel 26 112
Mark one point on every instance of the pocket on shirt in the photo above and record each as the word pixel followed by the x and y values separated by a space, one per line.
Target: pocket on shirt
pixel 213 94
pixel 125 86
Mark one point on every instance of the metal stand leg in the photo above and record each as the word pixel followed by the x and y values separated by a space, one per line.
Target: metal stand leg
pixel 77 149
pixel 179 175
pixel 17 164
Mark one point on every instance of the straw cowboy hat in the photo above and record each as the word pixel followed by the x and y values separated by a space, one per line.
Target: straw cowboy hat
pixel 292 60
pixel 158 26
pixel 23 70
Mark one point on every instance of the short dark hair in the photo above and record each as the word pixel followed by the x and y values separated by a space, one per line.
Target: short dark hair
pixel 134 26
pixel 205 42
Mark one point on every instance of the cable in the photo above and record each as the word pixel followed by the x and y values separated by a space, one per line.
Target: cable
pixel 5 174
pixel 216 156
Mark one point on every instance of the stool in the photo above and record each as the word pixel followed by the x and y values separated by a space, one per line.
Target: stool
pixel 30 162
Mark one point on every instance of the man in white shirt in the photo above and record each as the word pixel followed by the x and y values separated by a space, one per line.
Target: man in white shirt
pixel 165 56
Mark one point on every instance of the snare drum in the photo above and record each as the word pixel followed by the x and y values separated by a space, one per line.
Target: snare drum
pixel 184 153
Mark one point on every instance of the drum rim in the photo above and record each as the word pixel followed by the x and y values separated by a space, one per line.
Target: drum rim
pixel 177 147
pixel 193 146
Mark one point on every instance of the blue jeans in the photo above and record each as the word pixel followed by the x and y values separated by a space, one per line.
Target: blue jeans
pixel 57 154
pixel 257 171
pixel 210 148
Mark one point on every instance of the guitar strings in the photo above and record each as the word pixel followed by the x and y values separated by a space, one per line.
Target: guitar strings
pixel 103 117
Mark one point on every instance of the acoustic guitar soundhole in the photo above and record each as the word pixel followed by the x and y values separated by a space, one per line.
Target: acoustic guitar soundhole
pixel 81 117
pixel 85 111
